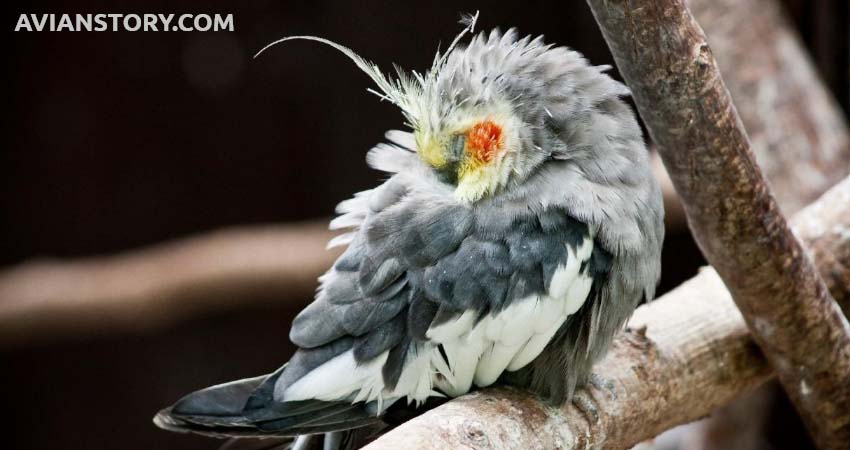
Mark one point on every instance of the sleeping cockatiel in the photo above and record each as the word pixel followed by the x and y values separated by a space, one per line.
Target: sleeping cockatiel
pixel 518 229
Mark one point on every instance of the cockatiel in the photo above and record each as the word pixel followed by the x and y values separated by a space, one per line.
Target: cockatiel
pixel 519 228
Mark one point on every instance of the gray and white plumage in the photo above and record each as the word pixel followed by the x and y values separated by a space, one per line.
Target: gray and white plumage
pixel 519 264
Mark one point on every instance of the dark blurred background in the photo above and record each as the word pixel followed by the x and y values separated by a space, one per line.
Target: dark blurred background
pixel 120 140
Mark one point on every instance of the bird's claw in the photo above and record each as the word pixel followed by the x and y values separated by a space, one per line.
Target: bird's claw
pixel 602 384
pixel 586 405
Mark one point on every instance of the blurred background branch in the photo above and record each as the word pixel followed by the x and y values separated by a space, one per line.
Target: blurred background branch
pixel 796 129
pixel 163 284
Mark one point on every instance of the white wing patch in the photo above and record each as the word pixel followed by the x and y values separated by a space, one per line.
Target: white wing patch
pixel 339 378
pixel 475 352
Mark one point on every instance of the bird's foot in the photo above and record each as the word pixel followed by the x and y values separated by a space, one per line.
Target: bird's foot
pixel 333 440
pixel 585 403
pixel 602 384
pixel 302 442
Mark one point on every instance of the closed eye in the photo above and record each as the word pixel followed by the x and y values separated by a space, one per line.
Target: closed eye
pixel 456 147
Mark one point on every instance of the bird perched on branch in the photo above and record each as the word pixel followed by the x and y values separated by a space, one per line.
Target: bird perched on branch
pixel 519 229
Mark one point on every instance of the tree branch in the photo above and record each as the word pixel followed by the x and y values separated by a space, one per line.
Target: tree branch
pixel 797 131
pixel 162 284
pixel 827 235
pixel 663 55
pixel 799 136
pixel 681 357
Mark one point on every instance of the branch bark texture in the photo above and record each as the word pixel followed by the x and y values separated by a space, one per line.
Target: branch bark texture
pixel 800 139
pixel 663 55
pixel 797 131
pixel 681 357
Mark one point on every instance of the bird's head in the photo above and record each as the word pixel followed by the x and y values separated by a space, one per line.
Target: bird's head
pixel 482 114
pixel 470 147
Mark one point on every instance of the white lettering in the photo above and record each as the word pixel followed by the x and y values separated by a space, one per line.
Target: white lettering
pixel 137 22
pixel 83 22
pixel 23 22
pixel 206 26
pixel 65 23
pixel 181 20
pixel 100 22
pixel 114 18
pixel 150 22
pixel 165 19
pixel 39 26
pixel 225 23
pixel 124 22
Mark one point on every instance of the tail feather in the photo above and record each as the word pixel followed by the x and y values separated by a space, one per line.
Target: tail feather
pixel 247 408
pixel 348 426
pixel 333 418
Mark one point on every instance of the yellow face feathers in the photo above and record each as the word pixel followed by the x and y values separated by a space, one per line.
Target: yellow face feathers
pixel 472 153
pixel 432 151
pixel 474 182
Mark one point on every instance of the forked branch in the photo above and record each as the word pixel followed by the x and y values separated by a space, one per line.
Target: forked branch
pixel 665 59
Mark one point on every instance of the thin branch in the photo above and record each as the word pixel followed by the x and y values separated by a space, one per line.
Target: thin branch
pixel 663 55
pixel 681 357
pixel 827 235
pixel 797 131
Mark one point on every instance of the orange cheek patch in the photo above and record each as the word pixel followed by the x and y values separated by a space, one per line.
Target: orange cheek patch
pixel 483 140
